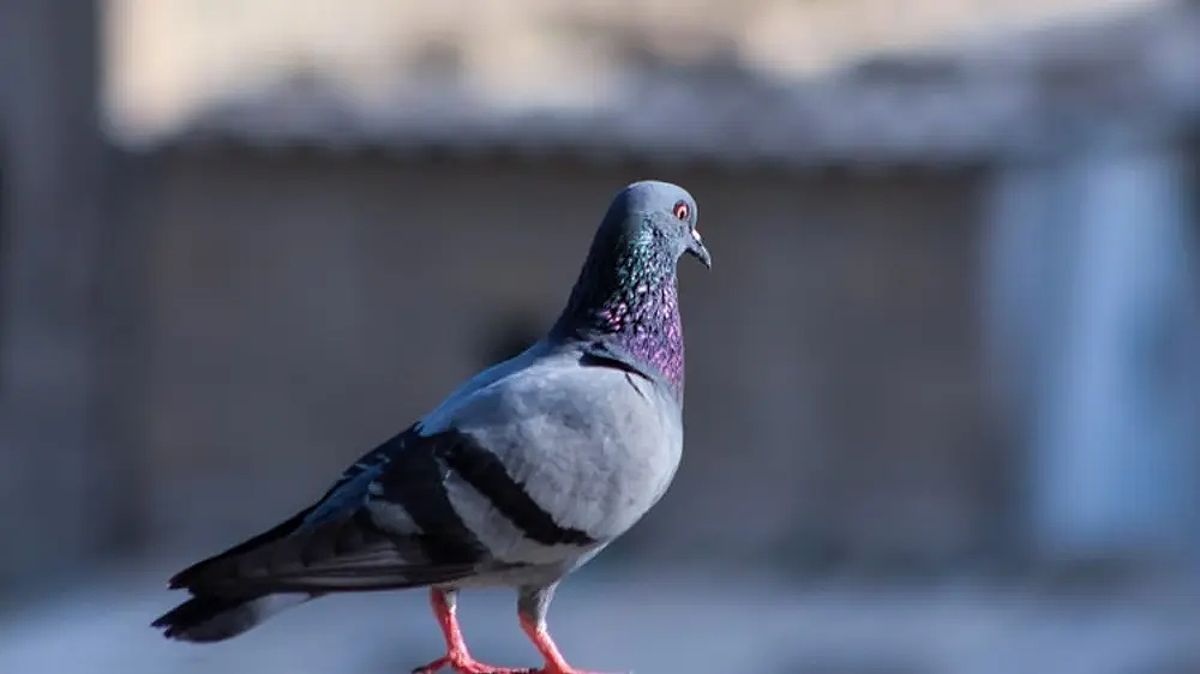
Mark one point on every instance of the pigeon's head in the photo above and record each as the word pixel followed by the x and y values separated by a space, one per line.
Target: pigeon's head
pixel 626 295
pixel 654 221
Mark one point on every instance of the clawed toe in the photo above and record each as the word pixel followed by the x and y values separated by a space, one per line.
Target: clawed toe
pixel 563 668
pixel 468 666
pixel 471 666
pixel 433 667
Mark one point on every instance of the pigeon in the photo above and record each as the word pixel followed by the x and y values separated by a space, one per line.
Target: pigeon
pixel 522 475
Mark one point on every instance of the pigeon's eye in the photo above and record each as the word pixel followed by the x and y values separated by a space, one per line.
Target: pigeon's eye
pixel 682 211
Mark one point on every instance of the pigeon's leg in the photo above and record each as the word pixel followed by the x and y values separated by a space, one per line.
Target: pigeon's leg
pixel 457 656
pixel 532 605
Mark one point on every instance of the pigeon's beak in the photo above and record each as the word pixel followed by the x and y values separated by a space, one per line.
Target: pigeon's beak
pixel 696 248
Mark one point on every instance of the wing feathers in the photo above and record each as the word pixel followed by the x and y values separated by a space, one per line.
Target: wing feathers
pixel 390 522
pixel 349 553
pixel 484 471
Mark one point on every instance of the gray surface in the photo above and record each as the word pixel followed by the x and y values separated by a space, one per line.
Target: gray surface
pixel 629 620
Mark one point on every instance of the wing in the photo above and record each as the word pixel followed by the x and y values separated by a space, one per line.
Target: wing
pixel 387 523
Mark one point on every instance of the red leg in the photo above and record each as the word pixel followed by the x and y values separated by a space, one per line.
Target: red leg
pixel 457 657
pixel 555 663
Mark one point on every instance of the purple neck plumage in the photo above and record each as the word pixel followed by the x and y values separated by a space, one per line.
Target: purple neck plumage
pixel 627 298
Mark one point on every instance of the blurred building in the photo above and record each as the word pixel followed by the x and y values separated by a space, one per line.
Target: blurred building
pixel 171 58
pixel 952 320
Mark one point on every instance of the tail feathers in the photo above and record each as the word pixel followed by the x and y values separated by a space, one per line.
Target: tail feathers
pixel 206 618
pixel 346 554
pixel 190 575
pixel 294 562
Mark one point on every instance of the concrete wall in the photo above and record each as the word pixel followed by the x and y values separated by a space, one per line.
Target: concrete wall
pixel 304 305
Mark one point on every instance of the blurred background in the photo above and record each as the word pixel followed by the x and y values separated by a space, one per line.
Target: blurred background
pixel 942 413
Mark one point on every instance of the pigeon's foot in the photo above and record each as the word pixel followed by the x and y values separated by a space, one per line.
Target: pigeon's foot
pixel 552 669
pixel 555 663
pixel 465 664
pixel 457 656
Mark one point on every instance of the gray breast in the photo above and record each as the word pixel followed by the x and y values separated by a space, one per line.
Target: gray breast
pixel 594 447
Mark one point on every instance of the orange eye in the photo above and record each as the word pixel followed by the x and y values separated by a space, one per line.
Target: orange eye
pixel 682 211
